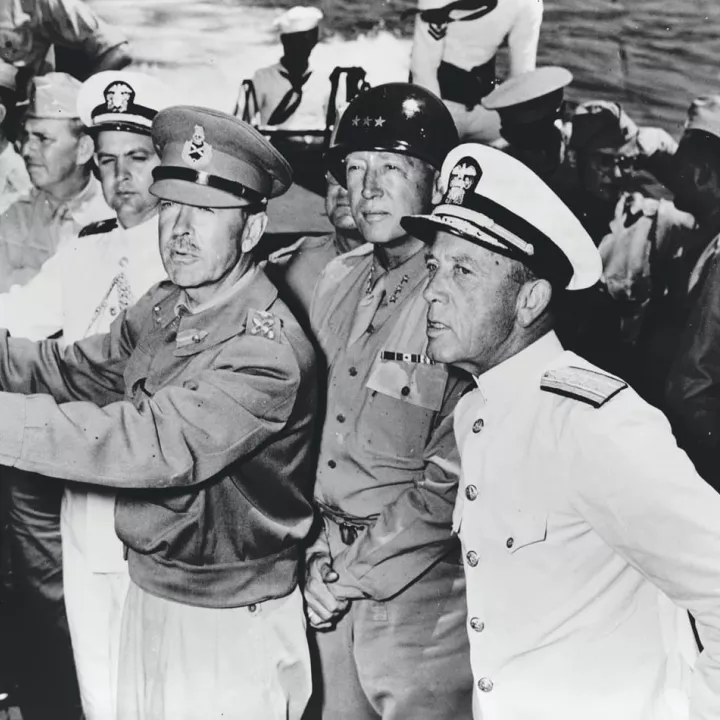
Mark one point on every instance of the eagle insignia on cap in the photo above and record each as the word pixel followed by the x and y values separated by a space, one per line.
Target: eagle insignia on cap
pixel 464 178
pixel 196 152
pixel 119 96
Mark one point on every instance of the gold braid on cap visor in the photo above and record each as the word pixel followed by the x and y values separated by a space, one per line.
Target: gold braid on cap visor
pixel 482 227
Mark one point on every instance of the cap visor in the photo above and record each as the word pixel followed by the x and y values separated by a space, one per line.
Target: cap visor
pixel 424 227
pixel 188 193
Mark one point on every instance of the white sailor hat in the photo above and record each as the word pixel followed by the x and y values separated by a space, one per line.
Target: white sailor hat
pixel 300 18
pixel 492 199
pixel 122 100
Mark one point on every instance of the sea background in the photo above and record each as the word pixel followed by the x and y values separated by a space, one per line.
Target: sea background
pixel 653 56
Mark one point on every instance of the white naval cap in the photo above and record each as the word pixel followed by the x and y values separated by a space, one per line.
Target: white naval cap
pixel 122 100
pixel 494 200
pixel 300 18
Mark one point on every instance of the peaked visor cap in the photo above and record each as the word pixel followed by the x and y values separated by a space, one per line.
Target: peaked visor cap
pixel 493 200
pixel 122 100
pixel 212 159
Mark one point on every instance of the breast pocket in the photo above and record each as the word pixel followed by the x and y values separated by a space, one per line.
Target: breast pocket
pixel 400 410
pixel 527 528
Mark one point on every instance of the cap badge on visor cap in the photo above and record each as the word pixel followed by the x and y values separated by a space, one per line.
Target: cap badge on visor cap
pixel 118 97
pixel 464 177
pixel 196 152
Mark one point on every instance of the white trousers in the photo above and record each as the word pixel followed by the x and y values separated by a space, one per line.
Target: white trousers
pixel 179 662
pixel 94 604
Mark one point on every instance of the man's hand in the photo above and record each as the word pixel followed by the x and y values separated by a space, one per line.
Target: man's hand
pixel 323 608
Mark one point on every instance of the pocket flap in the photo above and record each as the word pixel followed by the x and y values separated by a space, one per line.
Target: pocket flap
pixel 416 383
pixel 527 528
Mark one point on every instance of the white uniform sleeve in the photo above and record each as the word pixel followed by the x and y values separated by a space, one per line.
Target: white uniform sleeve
pixel 642 495
pixel 427 51
pixel 524 36
pixel 34 310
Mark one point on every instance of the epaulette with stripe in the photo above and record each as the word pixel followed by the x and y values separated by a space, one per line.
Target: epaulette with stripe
pixel 582 384
pixel 99 227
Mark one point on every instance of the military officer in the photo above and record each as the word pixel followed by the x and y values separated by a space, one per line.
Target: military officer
pixel 587 534
pixel 298 267
pixel 454 48
pixel 65 196
pixel 199 406
pixel 14 180
pixel 122 261
pixel 291 93
pixel 386 475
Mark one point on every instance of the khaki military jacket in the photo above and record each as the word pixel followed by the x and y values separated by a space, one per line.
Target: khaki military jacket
pixel 202 421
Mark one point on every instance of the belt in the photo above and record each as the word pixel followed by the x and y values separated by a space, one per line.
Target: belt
pixel 467 87
pixel 350 526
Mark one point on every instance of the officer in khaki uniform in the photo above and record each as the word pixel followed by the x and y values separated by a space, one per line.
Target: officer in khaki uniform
pixel 587 534
pixel 384 584
pixel 198 406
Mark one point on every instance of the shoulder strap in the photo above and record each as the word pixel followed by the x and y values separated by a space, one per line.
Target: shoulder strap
pixel 98 228
pixel 589 386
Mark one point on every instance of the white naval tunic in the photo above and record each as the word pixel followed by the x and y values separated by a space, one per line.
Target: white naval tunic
pixel 80 290
pixel 585 532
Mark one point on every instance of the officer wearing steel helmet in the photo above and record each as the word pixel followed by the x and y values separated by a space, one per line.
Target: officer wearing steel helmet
pixel 387 471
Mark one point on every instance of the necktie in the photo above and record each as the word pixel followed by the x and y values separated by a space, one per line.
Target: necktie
pixel 291 100
pixel 366 309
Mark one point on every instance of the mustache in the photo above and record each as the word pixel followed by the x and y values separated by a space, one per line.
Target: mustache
pixel 182 243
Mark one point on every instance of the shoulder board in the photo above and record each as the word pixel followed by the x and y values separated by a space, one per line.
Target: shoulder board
pixel 264 324
pixel 590 386
pixel 98 228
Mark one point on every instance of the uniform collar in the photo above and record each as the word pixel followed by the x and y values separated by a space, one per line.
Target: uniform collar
pixel 524 369
pixel 216 321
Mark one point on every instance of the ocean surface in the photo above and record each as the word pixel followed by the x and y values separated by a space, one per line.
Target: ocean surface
pixel 653 56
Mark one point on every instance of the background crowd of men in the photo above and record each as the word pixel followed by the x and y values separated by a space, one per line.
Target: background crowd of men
pixel 297 484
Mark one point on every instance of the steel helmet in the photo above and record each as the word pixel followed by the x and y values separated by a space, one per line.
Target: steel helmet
pixel 396 117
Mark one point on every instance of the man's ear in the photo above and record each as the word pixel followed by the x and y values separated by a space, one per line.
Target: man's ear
pixel 438 190
pixel 86 149
pixel 255 225
pixel 532 301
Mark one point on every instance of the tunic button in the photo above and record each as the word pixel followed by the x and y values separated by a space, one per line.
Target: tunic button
pixel 190 385
pixel 485 684
pixel 341 418
pixel 510 542
pixel 472 558
pixel 332 464
pixel 405 391
pixel 478 425
pixel 252 608
pixel 476 624
pixel 352 372
pixel 113 311
pixel 196 338
pixel 471 492
pixel 371 329
pixel 156 309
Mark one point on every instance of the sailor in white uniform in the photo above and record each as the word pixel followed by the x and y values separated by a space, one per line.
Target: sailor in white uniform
pixel 454 48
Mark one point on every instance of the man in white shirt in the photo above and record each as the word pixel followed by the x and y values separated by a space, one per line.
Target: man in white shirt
pixel 587 534
pixel 454 48
pixel 80 291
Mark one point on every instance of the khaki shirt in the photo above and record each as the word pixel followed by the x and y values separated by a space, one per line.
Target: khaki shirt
pixel 587 535
pixel 14 180
pixel 33 227
pixel 387 452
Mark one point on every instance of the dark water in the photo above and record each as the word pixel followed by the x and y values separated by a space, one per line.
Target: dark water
pixel 653 56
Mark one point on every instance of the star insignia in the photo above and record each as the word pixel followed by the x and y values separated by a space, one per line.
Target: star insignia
pixel 379 121
pixel 367 121
pixel 356 121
